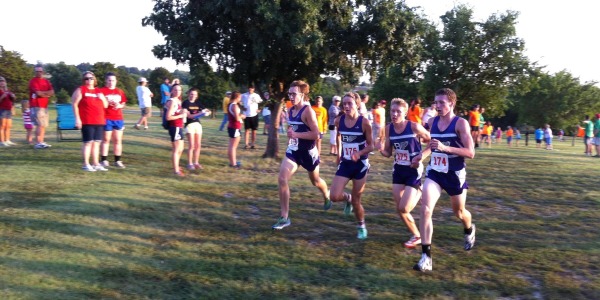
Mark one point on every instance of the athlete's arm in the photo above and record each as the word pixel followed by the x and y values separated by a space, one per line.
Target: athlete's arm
pixel 387 145
pixel 75 99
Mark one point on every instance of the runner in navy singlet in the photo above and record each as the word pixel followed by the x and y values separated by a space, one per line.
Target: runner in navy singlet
pixel 355 141
pixel 451 142
pixel 402 141
pixel 302 133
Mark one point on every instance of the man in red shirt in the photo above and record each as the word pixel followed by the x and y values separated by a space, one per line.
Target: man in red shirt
pixel 40 89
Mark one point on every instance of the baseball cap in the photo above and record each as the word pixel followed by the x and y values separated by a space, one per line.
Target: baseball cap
pixel 228 93
pixel 2 78
pixel 598 116
pixel 337 98
pixel 142 79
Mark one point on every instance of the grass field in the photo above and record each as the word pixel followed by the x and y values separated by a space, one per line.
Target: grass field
pixel 141 233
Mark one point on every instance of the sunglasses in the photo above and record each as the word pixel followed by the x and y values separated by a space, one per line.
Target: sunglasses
pixel 88 78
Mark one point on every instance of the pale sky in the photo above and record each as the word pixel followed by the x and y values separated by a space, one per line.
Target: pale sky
pixel 558 34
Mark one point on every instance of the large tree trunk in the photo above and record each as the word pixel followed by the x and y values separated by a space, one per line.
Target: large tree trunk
pixel 273 139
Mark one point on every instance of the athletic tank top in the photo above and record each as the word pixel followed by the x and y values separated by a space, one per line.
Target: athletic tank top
pixel 232 118
pixel 295 121
pixel 91 107
pixel 406 144
pixel 176 122
pixel 353 138
pixel 449 138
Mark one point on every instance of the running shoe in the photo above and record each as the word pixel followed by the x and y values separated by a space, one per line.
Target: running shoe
pixel 425 264
pixel 88 168
pixel 41 146
pixel 198 167
pixel 282 223
pixel 327 204
pixel 105 163
pixel 413 242
pixel 100 168
pixel 4 144
pixel 191 167
pixel 179 174
pixel 348 206
pixel 9 143
pixel 119 164
pixel 136 126
pixel 470 239
pixel 362 233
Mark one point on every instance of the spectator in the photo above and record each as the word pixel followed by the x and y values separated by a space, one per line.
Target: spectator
pixel 596 140
pixel 588 126
pixel 266 114
pixel 7 99
pixel 539 136
pixel 250 101
pixel 144 96
pixel 548 137
pixel 40 89
pixel 88 107
pixel 334 111
pixel 225 104
pixel 113 130
pixel 165 93
pixel 321 114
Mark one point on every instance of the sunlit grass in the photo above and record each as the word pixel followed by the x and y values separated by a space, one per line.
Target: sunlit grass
pixel 141 233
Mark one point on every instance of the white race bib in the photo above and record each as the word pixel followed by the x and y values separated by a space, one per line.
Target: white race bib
pixel 439 162
pixel 293 144
pixel 348 149
pixel 402 157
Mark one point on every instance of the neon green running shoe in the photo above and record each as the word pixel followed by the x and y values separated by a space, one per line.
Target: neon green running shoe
pixel 348 206
pixel 282 223
pixel 327 204
pixel 362 233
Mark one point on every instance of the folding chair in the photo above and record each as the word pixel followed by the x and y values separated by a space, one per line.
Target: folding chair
pixel 65 120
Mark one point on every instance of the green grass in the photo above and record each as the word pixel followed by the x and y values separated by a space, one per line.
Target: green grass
pixel 141 233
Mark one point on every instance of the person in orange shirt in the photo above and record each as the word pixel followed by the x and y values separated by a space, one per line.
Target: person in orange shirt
pixel 415 112
pixel 509 136
pixel 321 113
pixel 486 133
pixel 474 119
pixel 378 123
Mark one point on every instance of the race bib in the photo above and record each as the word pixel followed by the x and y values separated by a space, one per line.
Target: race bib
pixel 439 162
pixel 293 144
pixel 348 149
pixel 402 157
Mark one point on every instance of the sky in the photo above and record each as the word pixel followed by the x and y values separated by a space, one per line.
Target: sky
pixel 558 34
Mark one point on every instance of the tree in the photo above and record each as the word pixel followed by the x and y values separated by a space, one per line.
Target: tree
pixel 272 43
pixel 559 99
pixel 100 69
pixel 64 77
pixel 16 72
pixel 480 61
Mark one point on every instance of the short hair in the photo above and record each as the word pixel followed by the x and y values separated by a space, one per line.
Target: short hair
pixel 448 93
pixel 400 102
pixel 303 86
pixel 194 90
pixel 109 74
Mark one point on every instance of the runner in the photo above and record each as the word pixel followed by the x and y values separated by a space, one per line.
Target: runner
pixel 355 141
pixel 451 142
pixel 302 133
pixel 402 141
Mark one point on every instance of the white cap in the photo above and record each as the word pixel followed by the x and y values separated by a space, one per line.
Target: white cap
pixel 337 98
pixel 142 79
